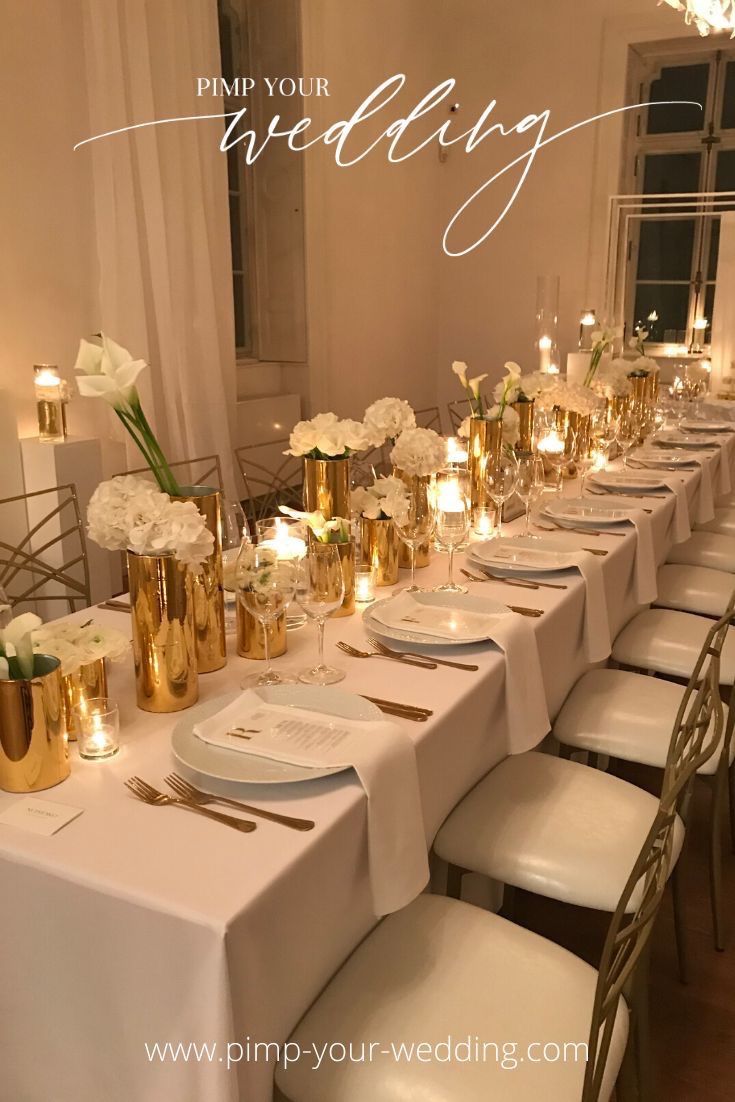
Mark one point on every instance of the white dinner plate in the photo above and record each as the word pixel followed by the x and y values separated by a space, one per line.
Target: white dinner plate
pixel 662 459
pixel 707 426
pixel 685 440
pixel 620 480
pixel 234 765
pixel 520 555
pixel 463 601
pixel 582 513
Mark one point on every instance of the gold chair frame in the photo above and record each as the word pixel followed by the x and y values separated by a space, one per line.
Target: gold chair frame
pixel 28 567
pixel 457 413
pixel 429 418
pixel 266 489
pixel 211 465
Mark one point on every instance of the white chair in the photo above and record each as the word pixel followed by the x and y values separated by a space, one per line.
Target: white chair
pixel 723 523
pixel 668 642
pixel 441 968
pixel 697 589
pixel 705 549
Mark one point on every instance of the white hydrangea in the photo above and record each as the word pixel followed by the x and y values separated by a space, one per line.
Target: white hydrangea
pixel 570 396
pixel 386 498
pixel 611 379
pixel 419 452
pixel 386 419
pixel 326 437
pixel 130 513
pixel 76 645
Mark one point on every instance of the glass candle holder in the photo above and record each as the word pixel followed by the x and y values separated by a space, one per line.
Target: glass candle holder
pixel 547 324
pixel 287 536
pixel 364 583
pixel 587 326
pixel 50 395
pixel 98 728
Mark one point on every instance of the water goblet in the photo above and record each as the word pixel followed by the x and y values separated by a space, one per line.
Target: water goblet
pixel 416 523
pixel 320 590
pixel 530 485
pixel 501 478
pixel 266 586
pixel 452 514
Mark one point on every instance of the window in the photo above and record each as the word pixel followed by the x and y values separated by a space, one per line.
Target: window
pixel 678 150
pixel 234 56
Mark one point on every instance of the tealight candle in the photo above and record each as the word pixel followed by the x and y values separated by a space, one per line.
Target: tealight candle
pixel 552 444
pixel 364 583
pixel 276 534
pixel 484 522
pixel 98 727
pixel 49 393
pixel 545 345
pixel 457 453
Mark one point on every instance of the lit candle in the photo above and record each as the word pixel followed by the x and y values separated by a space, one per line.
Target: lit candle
pixel 449 497
pixel 552 444
pixel 364 583
pixel 98 725
pixel 286 546
pixel 485 522
pixel 456 452
pixel 49 403
pixel 587 326
pixel 545 345
pixel 599 459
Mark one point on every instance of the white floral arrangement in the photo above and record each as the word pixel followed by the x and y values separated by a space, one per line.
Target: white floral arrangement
pixel 76 645
pixel 602 340
pixel 387 498
pixel 16 647
pixel 507 390
pixel 640 365
pixel 611 379
pixel 419 452
pixel 571 397
pixel 386 419
pixel 326 437
pixel 472 386
pixel 533 385
pixel 336 530
pixel 128 513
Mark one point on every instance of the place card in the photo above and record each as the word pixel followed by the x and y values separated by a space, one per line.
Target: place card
pixel 39 816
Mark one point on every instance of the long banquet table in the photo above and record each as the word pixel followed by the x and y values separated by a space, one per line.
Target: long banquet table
pixel 135 925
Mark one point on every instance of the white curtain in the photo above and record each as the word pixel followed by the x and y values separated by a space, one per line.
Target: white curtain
pixel 723 322
pixel 161 209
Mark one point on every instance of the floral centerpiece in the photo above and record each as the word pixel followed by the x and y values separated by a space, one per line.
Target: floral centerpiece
pixel 108 371
pixel 386 419
pixel 378 506
pixel 572 397
pixel 640 366
pixel 385 499
pixel 418 453
pixel 77 645
pixel 612 381
pixel 325 444
pixel 472 386
pixel 602 340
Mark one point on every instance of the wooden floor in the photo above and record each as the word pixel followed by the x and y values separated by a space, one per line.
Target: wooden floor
pixel 693 1026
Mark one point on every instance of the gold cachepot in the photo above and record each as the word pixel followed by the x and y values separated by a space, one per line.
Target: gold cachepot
pixel 251 634
pixel 327 487
pixel 423 551
pixel 164 645
pixel 639 383
pixel 525 411
pixel 209 598
pixel 33 746
pixel 380 546
pixel 86 683
pixel 486 443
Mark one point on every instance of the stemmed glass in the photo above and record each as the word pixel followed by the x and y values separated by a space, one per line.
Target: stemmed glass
pixel 530 485
pixel 235 532
pixel 416 525
pixel 453 513
pixel 266 586
pixel 501 478
pixel 629 432
pixel 320 590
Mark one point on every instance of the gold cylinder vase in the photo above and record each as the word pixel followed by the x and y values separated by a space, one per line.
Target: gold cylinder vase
pixel 486 443
pixel 525 411
pixel 209 593
pixel 578 430
pixel 164 642
pixel 423 551
pixel 380 546
pixel 86 683
pixel 251 634
pixel 327 487
pixel 33 746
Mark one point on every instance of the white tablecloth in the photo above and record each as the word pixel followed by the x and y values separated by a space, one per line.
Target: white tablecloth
pixel 137 925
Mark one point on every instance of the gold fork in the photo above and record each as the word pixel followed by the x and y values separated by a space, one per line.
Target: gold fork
pixel 381 647
pixel 493 578
pixel 188 791
pixel 152 796
pixel 353 652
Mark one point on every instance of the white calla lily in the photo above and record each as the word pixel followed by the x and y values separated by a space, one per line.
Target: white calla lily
pixel 460 370
pixel 16 640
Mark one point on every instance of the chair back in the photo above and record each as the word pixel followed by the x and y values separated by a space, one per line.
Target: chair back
pixel 270 478
pixel 50 561
pixel 697 733
pixel 205 470
pixel 429 418
pixel 457 413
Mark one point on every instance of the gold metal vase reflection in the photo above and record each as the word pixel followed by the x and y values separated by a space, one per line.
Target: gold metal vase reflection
pixel 327 487
pixel 251 634
pixel 51 419
pixel 380 546
pixel 423 551
pixel 486 443
pixel 209 599
pixel 526 415
pixel 86 683
pixel 578 430
pixel 33 746
pixel 164 647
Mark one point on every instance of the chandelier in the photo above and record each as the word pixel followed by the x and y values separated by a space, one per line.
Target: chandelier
pixel 706 15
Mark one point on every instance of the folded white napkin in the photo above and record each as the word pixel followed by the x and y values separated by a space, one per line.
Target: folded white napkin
pixel 383 758
pixel 724 481
pixel 645 558
pixel 705 505
pixel 437 621
pixel 682 524
pixel 525 696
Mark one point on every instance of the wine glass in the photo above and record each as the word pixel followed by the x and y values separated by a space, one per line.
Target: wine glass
pixel 500 478
pixel 530 485
pixel 629 432
pixel 416 524
pixel 320 590
pixel 266 585
pixel 235 533
pixel 452 513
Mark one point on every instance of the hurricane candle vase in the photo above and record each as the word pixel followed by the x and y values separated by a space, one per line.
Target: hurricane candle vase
pixel 380 546
pixel 486 443
pixel 98 725
pixel 33 744
pixel 164 641
pixel 208 584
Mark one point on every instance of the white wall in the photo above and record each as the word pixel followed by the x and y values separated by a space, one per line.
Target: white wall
pixel 48 265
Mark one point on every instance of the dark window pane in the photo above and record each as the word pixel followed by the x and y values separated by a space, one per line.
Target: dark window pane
pixel 665 249
pixel 678 82
pixel 725 175
pixel 671 304
pixel 226 44
pixel 238 290
pixel 235 233
pixel 728 105
pixel 714 249
pixel 671 173
pixel 709 309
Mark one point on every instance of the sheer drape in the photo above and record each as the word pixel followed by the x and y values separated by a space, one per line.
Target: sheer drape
pixel 161 211
pixel 723 322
